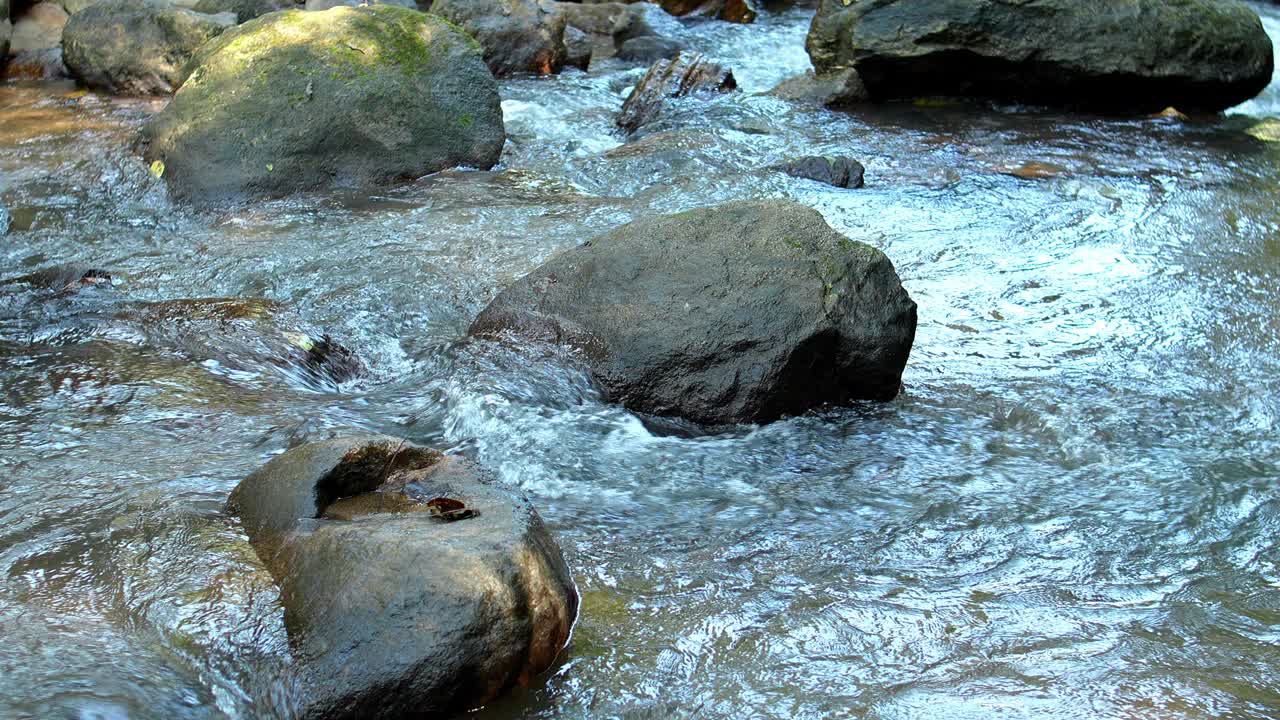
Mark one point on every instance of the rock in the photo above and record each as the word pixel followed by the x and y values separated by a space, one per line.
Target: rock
pixel 683 75
pixel 6 30
pixel 579 48
pixel 834 89
pixel 738 11
pixel 65 278
pixel 348 97
pixel 37 65
pixel 518 36
pixel 40 28
pixel 244 10
pixel 136 47
pixel 398 602
pixel 1134 56
pixel 838 171
pixel 649 49
pixel 743 312
pixel 317 5
pixel 605 26
pixel 244 333
pixel 74 6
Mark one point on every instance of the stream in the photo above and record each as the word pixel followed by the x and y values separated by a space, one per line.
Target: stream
pixel 1071 512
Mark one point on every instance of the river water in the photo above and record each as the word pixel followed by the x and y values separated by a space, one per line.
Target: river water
pixel 1071 511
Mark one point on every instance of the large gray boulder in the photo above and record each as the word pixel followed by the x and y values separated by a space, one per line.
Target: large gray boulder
pixel 518 36
pixel 136 47
pixel 414 584
pixel 743 312
pixel 348 97
pixel 1131 55
pixel 39 28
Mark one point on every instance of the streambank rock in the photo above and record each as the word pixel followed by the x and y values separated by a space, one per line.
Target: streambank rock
pixel 43 64
pixel 600 30
pixel 743 312
pixel 136 47
pixel 245 10
pixel 39 28
pixel 6 30
pixel 397 606
pixel 348 97
pixel 1134 55
pixel 738 11
pixel 317 5
pixel 685 74
pixel 518 36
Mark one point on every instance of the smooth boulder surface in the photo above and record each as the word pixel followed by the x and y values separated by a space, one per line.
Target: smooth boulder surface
pixel 347 97
pixel 518 36
pixel 136 47
pixel 39 28
pixel 245 10
pixel 1116 55
pixel 398 602
pixel 318 5
pixel 743 312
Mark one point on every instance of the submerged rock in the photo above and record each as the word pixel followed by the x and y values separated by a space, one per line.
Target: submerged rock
pixel 348 97
pixel 833 89
pixel 684 74
pixel 136 47
pixel 743 312
pixel 518 36
pixel 413 583
pixel 1137 55
pixel 838 171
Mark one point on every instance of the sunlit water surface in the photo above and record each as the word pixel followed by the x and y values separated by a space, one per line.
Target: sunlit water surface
pixel 1071 511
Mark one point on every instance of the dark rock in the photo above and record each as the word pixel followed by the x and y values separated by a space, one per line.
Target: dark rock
pixel 683 75
pixel 834 89
pixel 518 36
pixel 838 171
pixel 606 26
pixel 356 97
pixel 738 11
pixel 1137 55
pixel 743 312
pixel 6 30
pixel 649 49
pixel 413 583
pixel 37 65
pixel 136 47
pixel 245 10
pixel 68 277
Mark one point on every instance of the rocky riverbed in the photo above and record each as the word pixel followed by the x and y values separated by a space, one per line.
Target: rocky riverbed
pixel 1066 510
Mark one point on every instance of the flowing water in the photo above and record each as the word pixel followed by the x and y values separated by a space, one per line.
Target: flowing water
pixel 1071 511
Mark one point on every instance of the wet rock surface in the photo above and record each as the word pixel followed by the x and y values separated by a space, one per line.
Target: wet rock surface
pixel 348 97
pixel 685 74
pixel 743 312
pixel 518 36
pixel 39 28
pixel 1141 55
pixel 244 10
pixel 413 583
pixel 43 64
pixel 837 171
pixel 136 47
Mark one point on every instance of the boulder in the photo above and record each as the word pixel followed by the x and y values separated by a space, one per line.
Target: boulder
pixel 650 48
pixel 1115 55
pixel 74 6
pixel 738 11
pixel 413 583
pixel 43 64
pixel 317 5
pixel 518 36
pixel 685 74
pixel 136 47
pixel 836 89
pixel 6 30
pixel 743 312
pixel 598 30
pixel 348 97
pixel 244 10
pixel 838 171
pixel 39 28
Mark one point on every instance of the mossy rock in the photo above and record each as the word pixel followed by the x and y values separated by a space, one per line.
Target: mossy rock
pixel 347 97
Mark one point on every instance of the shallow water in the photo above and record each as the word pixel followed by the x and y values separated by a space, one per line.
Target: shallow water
pixel 1071 511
